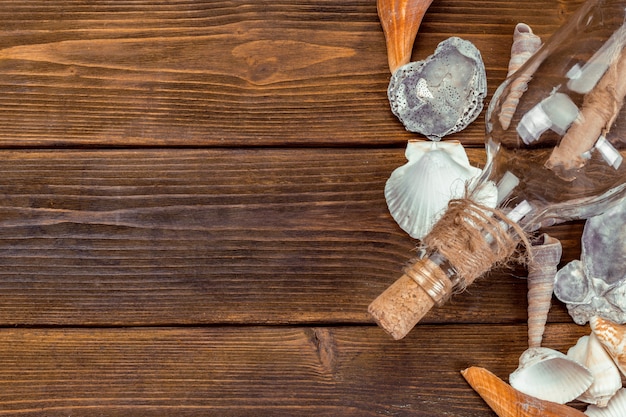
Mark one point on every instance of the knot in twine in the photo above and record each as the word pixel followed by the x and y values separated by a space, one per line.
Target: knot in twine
pixel 474 238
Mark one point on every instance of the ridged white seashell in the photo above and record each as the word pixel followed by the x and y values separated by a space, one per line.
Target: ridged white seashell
pixel 418 192
pixel 613 338
pixel 615 408
pixel 592 286
pixel 442 94
pixel 550 375
pixel 606 376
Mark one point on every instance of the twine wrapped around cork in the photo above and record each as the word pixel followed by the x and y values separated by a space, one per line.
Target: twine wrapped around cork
pixel 468 240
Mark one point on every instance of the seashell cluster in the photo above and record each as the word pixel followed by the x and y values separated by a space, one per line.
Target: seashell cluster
pixel 400 20
pixel 442 94
pixel 606 376
pixel 590 372
pixel 592 286
pixel 546 380
pixel 418 192
pixel 594 290
pixel 612 338
pixel 615 408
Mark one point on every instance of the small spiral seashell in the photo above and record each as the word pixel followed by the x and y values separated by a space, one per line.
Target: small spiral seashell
pixel 525 44
pixel 542 268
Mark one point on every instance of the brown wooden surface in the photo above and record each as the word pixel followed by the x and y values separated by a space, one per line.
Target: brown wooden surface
pixel 192 216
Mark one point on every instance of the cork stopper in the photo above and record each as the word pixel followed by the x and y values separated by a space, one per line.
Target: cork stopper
pixel 403 304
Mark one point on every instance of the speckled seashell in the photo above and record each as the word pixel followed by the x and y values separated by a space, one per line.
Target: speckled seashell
pixel 544 259
pixel 525 44
pixel 400 20
pixel 506 401
pixel 606 376
pixel 592 286
pixel 615 408
pixel 550 375
pixel 613 337
pixel 418 192
pixel 442 94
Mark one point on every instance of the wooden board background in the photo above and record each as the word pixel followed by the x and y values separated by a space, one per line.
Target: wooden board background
pixel 192 218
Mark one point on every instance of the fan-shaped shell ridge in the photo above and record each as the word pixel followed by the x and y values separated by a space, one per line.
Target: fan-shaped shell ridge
pixel 418 192
pixel 550 375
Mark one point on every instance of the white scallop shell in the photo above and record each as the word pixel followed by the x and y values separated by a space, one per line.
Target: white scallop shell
pixel 418 192
pixel 615 408
pixel 606 376
pixel 550 375
pixel 442 94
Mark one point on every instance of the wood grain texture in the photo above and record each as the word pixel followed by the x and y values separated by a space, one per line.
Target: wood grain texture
pixel 213 236
pixel 282 371
pixel 192 218
pixel 225 73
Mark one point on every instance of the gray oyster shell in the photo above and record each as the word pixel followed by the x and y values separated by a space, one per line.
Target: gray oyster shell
pixel 596 284
pixel 442 94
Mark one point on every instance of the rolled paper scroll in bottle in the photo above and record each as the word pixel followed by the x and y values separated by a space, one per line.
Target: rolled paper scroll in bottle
pixel 558 158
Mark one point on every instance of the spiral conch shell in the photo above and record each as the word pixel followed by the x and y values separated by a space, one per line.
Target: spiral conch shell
pixel 400 20
pixel 506 401
pixel 545 257
pixel 525 44
pixel 418 192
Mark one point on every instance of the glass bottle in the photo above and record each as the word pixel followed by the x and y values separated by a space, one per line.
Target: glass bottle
pixel 555 138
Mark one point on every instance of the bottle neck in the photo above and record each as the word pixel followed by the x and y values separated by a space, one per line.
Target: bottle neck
pixel 437 277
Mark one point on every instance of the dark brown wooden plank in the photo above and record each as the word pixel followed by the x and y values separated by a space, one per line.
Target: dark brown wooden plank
pixel 353 371
pixel 214 236
pixel 225 73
